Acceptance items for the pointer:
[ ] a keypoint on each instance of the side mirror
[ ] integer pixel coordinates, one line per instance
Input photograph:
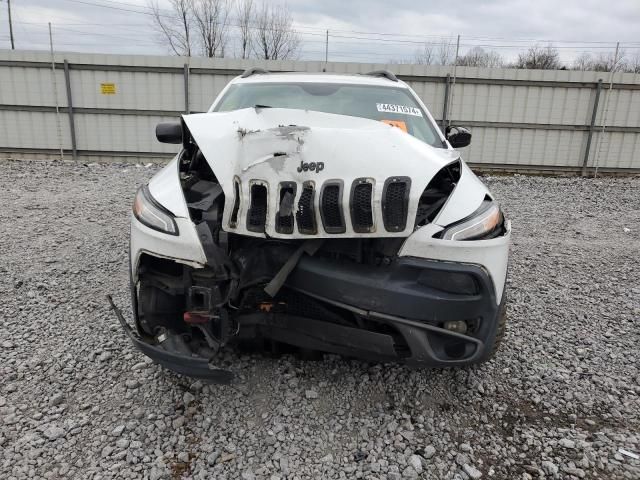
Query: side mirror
(169, 132)
(458, 137)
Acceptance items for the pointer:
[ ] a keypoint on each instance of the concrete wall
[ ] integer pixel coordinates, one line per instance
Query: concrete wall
(520, 119)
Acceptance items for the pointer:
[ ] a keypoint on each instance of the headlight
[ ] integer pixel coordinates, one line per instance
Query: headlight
(152, 214)
(484, 223)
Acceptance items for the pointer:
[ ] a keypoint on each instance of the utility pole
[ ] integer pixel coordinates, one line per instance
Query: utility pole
(55, 93)
(453, 85)
(326, 48)
(613, 68)
(10, 25)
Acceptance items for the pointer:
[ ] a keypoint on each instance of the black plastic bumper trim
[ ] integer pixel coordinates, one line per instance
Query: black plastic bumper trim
(421, 350)
(395, 289)
(304, 332)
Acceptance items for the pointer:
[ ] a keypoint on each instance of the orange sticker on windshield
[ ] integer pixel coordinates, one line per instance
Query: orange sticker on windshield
(396, 123)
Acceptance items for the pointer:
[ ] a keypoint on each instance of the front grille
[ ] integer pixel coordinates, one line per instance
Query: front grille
(395, 202)
(331, 207)
(257, 214)
(305, 216)
(284, 215)
(361, 210)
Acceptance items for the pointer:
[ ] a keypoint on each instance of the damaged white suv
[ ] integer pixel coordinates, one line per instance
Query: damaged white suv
(317, 212)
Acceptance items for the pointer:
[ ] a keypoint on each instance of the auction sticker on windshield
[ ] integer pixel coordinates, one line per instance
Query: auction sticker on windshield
(397, 123)
(390, 107)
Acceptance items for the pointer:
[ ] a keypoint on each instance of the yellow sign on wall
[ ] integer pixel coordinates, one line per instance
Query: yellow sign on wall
(108, 88)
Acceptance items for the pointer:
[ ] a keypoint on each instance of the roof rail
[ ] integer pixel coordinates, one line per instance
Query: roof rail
(383, 73)
(253, 71)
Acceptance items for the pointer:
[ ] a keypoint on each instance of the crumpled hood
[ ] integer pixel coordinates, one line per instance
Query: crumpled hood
(270, 146)
(243, 141)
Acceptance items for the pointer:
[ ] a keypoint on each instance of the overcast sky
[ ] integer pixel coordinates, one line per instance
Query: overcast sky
(507, 26)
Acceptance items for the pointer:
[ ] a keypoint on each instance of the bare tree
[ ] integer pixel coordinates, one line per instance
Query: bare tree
(539, 58)
(478, 57)
(494, 60)
(582, 62)
(446, 53)
(175, 25)
(245, 13)
(275, 37)
(607, 62)
(425, 56)
(211, 23)
(604, 62)
(435, 53)
(633, 64)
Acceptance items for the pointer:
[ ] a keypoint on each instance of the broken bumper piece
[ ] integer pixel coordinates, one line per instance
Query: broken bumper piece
(368, 345)
(196, 367)
(420, 312)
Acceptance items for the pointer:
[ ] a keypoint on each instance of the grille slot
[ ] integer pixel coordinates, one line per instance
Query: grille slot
(257, 214)
(305, 216)
(395, 202)
(233, 221)
(284, 215)
(361, 208)
(331, 207)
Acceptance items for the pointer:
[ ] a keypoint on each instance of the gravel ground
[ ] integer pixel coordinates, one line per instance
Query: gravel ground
(77, 401)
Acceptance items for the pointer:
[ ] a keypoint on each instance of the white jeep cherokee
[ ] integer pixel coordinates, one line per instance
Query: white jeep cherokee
(319, 212)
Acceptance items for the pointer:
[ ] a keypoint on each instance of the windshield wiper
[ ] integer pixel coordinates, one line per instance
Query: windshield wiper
(257, 105)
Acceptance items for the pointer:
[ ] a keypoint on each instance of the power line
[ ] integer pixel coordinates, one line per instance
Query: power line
(322, 31)
(341, 38)
(451, 38)
(149, 11)
(415, 42)
(41, 25)
(93, 4)
(444, 39)
(355, 40)
(87, 24)
(309, 30)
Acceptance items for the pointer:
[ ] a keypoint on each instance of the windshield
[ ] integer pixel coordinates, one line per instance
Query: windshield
(395, 106)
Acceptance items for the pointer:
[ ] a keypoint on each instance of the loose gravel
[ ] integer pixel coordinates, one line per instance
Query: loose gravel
(561, 399)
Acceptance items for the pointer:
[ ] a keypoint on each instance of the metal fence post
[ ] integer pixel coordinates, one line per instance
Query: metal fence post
(186, 88)
(445, 107)
(55, 93)
(72, 123)
(594, 113)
